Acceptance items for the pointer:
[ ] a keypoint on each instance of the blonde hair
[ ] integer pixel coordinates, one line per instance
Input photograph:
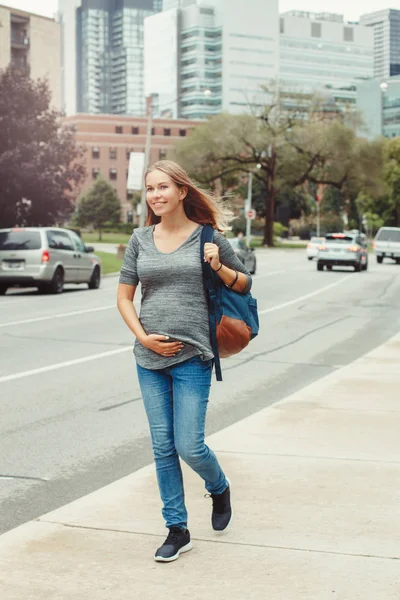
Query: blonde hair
(200, 206)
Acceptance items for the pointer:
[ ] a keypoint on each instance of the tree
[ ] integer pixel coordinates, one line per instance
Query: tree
(289, 150)
(392, 177)
(101, 205)
(40, 162)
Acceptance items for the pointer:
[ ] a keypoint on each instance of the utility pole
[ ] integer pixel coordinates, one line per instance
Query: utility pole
(318, 200)
(143, 203)
(248, 208)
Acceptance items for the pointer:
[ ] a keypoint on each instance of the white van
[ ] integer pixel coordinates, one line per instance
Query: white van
(46, 258)
(387, 244)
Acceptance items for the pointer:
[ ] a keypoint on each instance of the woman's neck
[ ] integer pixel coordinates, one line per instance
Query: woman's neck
(174, 223)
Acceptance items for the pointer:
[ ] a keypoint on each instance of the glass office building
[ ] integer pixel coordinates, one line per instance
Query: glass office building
(322, 54)
(203, 57)
(379, 103)
(107, 54)
(386, 28)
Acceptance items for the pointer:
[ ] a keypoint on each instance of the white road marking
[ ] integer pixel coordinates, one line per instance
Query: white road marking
(301, 298)
(78, 361)
(62, 365)
(267, 275)
(51, 317)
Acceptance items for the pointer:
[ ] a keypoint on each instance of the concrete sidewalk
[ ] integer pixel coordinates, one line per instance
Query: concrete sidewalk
(316, 497)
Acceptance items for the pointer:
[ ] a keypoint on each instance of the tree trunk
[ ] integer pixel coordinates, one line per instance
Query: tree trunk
(269, 214)
(100, 234)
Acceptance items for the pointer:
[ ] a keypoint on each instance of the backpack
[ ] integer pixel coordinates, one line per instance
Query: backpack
(233, 316)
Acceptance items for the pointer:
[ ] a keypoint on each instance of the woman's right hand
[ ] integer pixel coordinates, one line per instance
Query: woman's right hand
(160, 345)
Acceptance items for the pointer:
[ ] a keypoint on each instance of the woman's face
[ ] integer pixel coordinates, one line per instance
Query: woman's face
(162, 194)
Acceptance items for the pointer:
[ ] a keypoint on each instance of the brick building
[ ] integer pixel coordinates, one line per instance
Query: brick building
(110, 139)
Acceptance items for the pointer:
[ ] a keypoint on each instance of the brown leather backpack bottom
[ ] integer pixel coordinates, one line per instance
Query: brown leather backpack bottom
(232, 336)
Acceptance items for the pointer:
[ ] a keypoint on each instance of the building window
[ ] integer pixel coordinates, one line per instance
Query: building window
(162, 154)
(316, 30)
(119, 129)
(113, 174)
(348, 34)
(95, 173)
(113, 153)
(135, 130)
(153, 131)
(282, 25)
(167, 131)
(95, 153)
(129, 195)
(182, 132)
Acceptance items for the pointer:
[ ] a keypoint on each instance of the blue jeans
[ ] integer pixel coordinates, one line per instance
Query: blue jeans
(176, 400)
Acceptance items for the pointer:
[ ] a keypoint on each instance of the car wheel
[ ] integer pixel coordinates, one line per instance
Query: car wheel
(56, 285)
(329, 267)
(320, 266)
(379, 259)
(366, 266)
(357, 267)
(309, 257)
(3, 289)
(95, 279)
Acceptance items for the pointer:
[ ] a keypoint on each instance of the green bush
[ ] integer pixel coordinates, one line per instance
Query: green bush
(279, 230)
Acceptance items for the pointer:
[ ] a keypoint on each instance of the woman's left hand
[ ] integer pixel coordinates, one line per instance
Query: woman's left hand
(211, 255)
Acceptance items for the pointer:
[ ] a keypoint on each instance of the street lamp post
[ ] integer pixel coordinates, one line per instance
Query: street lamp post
(143, 203)
(149, 109)
(248, 208)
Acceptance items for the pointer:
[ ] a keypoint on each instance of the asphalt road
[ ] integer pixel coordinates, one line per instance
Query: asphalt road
(71, 417)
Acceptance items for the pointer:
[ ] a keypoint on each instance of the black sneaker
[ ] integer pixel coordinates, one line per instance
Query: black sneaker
(222, 510)
(178, 541)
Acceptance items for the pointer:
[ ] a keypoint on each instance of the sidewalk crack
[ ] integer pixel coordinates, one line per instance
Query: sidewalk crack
(223, 542)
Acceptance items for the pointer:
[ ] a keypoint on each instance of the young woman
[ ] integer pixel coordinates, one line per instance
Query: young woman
(172, 348)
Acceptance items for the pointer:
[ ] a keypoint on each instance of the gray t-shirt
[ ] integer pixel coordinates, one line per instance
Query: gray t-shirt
(173, 298)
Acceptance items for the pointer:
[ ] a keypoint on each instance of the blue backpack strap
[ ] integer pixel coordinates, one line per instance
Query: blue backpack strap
(207, 236)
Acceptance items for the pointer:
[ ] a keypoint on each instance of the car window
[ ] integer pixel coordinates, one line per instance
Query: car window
(389, 235)
(79, 245)
(20, 240)
(339, 239)
(316, 240)
(59, 240)
(237, 244)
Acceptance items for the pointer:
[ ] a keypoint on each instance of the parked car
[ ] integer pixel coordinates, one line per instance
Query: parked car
(387, 244)
(343, 250)
(244, 253)
(313, 245)
(46, 258)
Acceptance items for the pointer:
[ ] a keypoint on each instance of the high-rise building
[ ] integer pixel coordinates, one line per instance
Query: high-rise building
(102, 42)
(322, 54)
(386, 28)
(32, 43)
(207, 56)
(378, 101)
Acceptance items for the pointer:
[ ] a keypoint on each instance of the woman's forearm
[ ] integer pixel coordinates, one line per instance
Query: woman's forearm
(228, 276)
(129, 315)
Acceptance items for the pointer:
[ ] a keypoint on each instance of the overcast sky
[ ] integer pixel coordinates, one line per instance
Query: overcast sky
(350, 8)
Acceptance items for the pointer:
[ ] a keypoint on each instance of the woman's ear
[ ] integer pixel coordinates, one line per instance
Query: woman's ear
(184, 192)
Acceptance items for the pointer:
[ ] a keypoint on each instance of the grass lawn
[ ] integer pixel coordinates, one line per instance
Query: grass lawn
(107, 238)
(256, 242)
(109, 262)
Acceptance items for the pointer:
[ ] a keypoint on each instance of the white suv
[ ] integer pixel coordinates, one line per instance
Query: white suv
(46, 258)
(387, 244)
